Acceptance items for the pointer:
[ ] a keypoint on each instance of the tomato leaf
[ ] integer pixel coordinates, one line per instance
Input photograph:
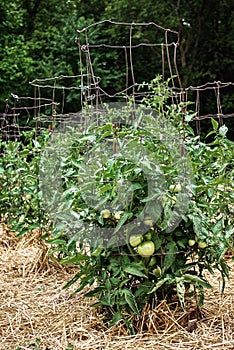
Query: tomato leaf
(124, 217)
(194, 279)
(215, 124)
(93, 292)
(116, 318)
(170, 255)
(130, 299)
(134, 271)
(73, 280)
(74, 259)
(158, 285)
(180, 288)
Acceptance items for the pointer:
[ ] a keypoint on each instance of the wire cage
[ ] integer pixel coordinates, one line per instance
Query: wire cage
(208, 100)
(127, 54)
(125, 48)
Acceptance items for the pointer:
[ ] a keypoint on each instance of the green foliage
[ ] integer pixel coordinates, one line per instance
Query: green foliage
(37, 42)
(20, 199)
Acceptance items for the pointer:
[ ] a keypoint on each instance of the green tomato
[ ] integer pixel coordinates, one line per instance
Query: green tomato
(146, 249)
(175, 188)
(202, 244)
(153, 261)
(191, 242)
(105, 213)
(135, 240)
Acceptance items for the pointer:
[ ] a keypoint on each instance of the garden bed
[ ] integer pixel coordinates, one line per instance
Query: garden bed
(36, 313)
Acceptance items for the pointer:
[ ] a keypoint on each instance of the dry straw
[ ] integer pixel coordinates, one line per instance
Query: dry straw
(36, 313)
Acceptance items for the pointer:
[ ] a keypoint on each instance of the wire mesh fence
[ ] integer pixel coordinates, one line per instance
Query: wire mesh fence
(56, 98)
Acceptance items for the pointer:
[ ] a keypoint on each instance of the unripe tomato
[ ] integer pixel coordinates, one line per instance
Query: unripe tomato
(175, 188)
(105, 213)
(191, 242)
(202, 244)
(146, 249)
(153, 261)
(135, 240)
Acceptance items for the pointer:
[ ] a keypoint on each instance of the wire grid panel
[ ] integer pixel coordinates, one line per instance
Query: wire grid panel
(57, 98)
(208, 101)
(136, 36)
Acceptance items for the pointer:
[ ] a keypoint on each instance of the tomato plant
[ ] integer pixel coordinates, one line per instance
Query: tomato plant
(20, 199)
(159, 260)
(121, 202)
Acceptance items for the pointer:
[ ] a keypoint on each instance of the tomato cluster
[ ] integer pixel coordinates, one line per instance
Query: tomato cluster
(143, 244)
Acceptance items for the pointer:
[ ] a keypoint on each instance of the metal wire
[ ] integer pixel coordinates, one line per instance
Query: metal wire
(49, 103)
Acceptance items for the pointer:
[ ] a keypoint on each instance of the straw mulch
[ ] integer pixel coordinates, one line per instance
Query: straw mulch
(35, 313)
